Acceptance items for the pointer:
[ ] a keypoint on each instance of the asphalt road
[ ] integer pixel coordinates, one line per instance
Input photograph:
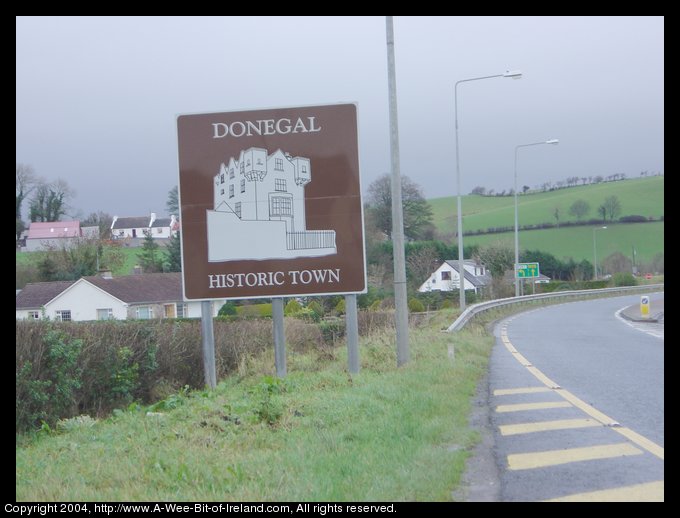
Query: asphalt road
(594, 371)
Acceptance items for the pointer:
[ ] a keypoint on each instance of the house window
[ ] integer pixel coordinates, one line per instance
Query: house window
(182, 311)
(243, 186)
(281, 206)
(121, 233)
(231, 173)
(159, 230)
(304, 169)
(144, 312)
(222, 191)
(278, 164)
(231, 191)
(248, 163)
(243, 167)
(280, 184)
(222, 178)
(237, 208)
(145, 231)
(446, 276)
(34, 315)
(104, 314)
(63, 315)
(259, 161)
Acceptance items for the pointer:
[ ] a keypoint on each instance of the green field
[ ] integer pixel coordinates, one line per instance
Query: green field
(642, 196)
(577, 242)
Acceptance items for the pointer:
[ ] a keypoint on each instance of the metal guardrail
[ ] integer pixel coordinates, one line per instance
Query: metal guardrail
(476, 309)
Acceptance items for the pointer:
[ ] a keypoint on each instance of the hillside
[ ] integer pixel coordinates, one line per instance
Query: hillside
(643, 196)
(577, 242)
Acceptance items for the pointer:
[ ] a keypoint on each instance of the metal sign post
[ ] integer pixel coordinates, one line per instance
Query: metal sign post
(208, 341)
(279, 337)
(352, 333)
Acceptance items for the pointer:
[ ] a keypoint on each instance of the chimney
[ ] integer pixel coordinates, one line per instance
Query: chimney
(153, 218)
(115, 218)
(105, 274)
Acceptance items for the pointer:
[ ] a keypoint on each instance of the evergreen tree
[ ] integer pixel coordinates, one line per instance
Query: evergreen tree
(173, 255)
(151, 257)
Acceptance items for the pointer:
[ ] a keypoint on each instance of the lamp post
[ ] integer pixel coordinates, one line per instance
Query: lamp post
(515, 74)
(595, 252)
(554, 142)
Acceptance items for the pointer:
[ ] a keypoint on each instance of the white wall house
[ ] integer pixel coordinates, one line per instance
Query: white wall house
(139, 226)
(447, 277)
(143, 296)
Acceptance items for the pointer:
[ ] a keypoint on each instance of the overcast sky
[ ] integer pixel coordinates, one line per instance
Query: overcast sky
(97, 98)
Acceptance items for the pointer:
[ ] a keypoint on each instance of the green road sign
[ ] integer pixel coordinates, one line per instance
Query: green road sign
(525, 270)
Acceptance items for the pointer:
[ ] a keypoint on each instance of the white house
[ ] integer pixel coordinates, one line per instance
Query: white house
(259, 202)
(447, 277)
(142, 296)
(140, 226)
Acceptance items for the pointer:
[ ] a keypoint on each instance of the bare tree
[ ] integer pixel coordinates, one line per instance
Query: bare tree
(612, 207)
(579, 209)
(584, 180)
(602, 211)
(27, 181)
(478, 190)
(99, 219)
(50, 201)
(420, 264)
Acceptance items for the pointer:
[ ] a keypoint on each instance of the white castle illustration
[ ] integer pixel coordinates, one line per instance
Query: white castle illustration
(259, 210)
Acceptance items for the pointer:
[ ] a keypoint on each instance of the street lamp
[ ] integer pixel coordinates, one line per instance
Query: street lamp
(515, 74)
(595, 252)
(554, 142)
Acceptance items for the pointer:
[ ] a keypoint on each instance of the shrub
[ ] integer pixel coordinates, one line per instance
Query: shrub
(415, 306)
(375, 306)
(265, 309)
(623, 279)
(229, 308)
(316, 308)
(635, 218)
(292, 307)
(332, 329)
(47, 391)
(340, 307)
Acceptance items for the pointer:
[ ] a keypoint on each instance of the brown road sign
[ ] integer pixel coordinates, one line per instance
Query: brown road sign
(270, 203)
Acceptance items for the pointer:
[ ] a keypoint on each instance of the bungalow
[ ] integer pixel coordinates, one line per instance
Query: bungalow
(53, 234)
(142, 296)
(138, 227)
(447, 277)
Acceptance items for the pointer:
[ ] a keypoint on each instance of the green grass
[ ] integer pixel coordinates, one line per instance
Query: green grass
(130, 255)
(131, 259)
(386, 434)
(577, 242)
(643, 196)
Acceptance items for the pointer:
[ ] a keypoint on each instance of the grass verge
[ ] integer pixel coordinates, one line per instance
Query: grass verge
(386, 434)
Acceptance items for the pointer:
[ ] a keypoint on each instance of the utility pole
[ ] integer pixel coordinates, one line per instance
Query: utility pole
(400, 302)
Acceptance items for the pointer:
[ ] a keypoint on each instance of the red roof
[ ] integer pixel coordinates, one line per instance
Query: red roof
(54, 229)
